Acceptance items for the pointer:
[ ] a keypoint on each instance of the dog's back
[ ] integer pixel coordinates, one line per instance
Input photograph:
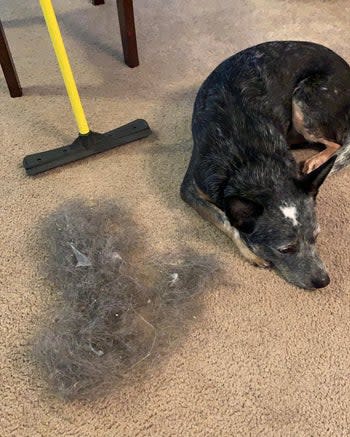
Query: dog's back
(245, 104)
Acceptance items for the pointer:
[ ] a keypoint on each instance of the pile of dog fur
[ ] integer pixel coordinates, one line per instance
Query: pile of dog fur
(114, 310)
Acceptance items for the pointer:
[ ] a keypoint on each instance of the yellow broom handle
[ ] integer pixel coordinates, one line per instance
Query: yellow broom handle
(63, 61)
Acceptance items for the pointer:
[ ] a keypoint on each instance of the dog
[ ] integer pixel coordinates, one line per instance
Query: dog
(242, 175)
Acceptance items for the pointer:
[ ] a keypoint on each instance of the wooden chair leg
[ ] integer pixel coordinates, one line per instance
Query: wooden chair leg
(8, 67)
(97, 2)
(127, 32)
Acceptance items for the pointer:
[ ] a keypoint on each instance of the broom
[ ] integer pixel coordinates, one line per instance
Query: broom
(88, 142)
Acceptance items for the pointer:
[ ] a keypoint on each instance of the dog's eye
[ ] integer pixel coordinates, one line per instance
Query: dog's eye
(289, 249)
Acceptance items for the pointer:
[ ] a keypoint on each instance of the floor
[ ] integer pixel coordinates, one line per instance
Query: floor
(264, 358)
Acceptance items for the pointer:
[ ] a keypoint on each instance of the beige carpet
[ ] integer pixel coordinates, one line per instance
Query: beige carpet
(264, 358)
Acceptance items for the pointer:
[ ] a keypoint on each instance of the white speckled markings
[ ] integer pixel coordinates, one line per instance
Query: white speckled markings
(290, 212)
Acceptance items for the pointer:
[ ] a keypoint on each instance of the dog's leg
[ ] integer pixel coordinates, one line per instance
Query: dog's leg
(317, 160)
(192, 195)
(314, 104)
(313, 136)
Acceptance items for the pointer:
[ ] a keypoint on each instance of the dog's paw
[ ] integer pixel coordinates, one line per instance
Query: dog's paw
(314, 162)
(310, 165)
(261, 263)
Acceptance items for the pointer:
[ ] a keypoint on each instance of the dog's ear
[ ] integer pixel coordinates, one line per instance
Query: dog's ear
(311, 182)
(242, 213)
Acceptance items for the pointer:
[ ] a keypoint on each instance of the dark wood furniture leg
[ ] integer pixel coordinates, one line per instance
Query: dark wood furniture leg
(127, 32)
(8, 67)
(97, 2)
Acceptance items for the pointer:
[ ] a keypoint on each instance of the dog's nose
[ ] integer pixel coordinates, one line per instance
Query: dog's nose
(321, 281)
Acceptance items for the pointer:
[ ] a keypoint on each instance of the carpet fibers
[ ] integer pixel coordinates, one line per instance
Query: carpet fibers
(263, 358)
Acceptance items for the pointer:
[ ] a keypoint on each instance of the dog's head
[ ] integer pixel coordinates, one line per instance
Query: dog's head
(282, 229)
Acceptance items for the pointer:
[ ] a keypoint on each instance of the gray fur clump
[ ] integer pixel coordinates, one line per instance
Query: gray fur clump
(115, 310)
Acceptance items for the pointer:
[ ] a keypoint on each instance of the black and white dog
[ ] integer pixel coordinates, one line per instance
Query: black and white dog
(242, 175)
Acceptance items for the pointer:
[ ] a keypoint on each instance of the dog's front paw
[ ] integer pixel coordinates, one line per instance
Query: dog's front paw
(261, 263)
(248, 254)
